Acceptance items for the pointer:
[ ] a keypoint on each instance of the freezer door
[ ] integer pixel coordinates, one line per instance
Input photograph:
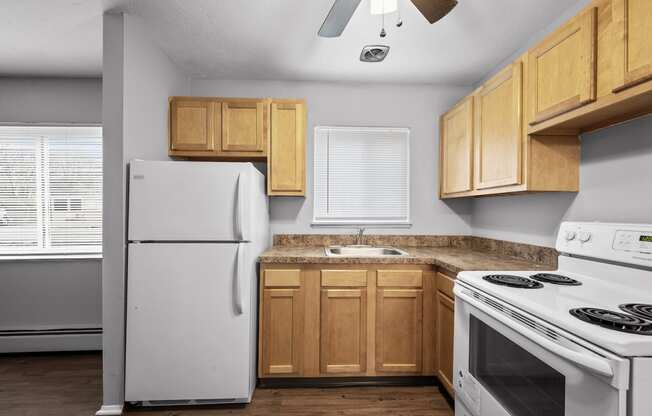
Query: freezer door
(189, 313)
(190, 201)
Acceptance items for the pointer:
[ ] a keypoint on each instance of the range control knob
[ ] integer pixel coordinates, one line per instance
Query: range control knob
(585, 236)
(570, 235)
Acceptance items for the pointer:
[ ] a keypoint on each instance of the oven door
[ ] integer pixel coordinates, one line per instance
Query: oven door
(510, 363)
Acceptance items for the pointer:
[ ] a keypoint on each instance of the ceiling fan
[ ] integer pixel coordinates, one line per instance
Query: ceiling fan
(340, 14)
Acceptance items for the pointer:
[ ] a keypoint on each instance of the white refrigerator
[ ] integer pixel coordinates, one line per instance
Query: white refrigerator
(195, 230)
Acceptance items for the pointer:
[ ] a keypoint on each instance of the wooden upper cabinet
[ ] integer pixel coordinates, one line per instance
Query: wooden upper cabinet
(191, 124)
(286, 155)
(271, 130)
(498, 130)
(243, 125)
(456, 149)
(343, 323)
(562, 69)
(632, 53)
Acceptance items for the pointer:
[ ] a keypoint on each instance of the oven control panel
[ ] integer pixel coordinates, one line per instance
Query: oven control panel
(630, 240)
(622, 243)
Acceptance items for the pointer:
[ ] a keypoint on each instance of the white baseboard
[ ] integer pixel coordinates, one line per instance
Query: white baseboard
(110, 410)
(45, 343)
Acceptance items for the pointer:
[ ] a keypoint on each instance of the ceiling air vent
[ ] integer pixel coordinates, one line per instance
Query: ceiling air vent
(374, 53)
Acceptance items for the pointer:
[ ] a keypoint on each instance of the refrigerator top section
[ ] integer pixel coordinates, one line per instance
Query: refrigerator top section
(194, 201)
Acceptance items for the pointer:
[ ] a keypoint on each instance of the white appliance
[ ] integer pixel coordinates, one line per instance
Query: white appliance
(195, 231)
(573, 342)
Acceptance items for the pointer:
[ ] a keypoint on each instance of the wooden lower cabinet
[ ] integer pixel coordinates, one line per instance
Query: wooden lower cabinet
(343, 322)
(349, 320)
(281, 328)
(399, 321)
(398, 330)
(445, 331)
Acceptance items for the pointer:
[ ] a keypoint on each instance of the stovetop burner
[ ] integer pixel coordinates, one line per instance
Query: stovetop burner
(512, 281)
(641, 310)
(555, 279)
(613, 320)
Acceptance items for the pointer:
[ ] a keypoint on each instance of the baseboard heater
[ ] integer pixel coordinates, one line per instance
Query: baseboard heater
(50, 339)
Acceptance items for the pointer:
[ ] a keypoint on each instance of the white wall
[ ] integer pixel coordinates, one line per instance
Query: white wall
(414, 106)
(138, 78)
(53, 293)
(614, 181)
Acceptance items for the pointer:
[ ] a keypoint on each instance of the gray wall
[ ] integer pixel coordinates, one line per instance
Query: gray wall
(55, 100)
(52, 293)
(413, 106)
(138, 78)
(614, 180)
(614, 187)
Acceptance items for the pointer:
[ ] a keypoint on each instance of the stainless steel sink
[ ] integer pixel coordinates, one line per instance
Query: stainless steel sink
(363, 251)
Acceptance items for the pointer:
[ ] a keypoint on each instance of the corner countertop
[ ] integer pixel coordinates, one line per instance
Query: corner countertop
(453, 259)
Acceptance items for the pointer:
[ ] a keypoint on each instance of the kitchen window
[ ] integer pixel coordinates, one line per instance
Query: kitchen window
(362, 176)
(50, 190)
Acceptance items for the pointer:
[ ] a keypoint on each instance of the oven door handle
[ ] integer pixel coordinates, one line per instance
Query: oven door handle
(592, 363)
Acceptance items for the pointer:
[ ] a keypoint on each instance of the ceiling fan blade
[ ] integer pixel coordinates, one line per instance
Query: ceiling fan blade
(434, 10)
(338, 17)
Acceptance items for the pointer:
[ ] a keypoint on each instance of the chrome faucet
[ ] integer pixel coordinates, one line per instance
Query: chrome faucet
(360, 237)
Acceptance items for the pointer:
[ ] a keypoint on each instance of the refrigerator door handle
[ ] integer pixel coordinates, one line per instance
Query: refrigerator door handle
(239, 269)
(241, 203)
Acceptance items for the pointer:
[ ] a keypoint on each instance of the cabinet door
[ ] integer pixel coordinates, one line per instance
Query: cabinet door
(243, 126)
(343, 331)
(399, 314)
(282, 323)
(456, 149)
(445, 325)
(632, 46)
(286, 157)
(562, 69)
(498, 132)
(192, 125)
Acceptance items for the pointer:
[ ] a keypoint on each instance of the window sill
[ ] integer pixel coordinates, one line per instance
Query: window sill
(370, 225)
(50, 257)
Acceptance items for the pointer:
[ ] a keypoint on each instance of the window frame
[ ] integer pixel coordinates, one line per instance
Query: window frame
(368, 223)
(54, 256)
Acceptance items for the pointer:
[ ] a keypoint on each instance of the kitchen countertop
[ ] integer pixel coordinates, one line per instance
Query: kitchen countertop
(453, 259)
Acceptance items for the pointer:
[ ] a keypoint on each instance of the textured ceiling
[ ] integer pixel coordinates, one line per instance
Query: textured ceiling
(275, 39)
(51, 38)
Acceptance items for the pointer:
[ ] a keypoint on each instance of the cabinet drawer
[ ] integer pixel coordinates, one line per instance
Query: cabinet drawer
(445, 285)
(343, 278)
(283, 278)
(400, 278)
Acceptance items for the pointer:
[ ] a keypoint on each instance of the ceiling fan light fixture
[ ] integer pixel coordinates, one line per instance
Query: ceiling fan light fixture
(383, 6)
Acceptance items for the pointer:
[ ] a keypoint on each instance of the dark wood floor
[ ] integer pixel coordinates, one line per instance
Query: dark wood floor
(70, 385)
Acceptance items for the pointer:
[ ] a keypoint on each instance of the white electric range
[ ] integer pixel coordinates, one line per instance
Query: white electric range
(576, 341)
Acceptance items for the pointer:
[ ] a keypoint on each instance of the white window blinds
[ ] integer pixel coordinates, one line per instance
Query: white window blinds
(50, 190)
(361, 176)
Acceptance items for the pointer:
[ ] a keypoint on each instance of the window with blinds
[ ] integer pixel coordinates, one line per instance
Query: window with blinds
(362, 176)
(50, 190)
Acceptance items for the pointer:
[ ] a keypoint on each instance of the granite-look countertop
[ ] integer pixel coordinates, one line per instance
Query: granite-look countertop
(454, 259)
